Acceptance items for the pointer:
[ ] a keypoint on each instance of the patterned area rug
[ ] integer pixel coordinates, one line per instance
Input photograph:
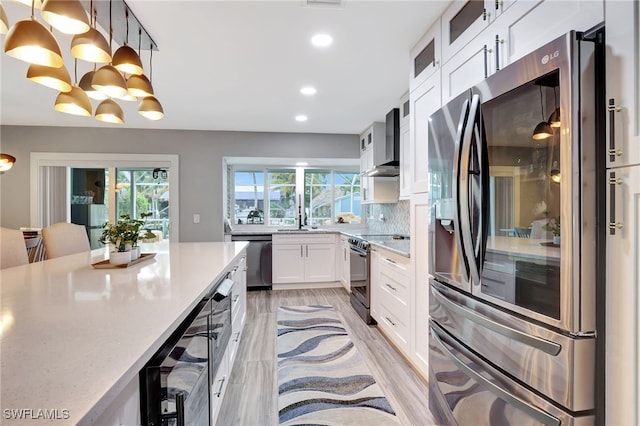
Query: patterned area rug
(322, 379)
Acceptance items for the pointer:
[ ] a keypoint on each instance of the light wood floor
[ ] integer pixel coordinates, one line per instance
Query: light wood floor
(252, 395)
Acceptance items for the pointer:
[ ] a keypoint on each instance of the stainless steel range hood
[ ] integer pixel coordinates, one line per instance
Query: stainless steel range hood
(387, 162)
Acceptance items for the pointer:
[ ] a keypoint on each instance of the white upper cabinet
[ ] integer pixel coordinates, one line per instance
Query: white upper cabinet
(623, 119)
(462, 22)
(528, 25)
(423, 101)
(426, 56)
(372, 149)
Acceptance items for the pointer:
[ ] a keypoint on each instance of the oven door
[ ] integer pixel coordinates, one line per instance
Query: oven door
(464, 389)
(359, 274)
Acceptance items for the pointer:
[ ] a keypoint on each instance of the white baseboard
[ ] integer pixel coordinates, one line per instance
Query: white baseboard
(304, 286)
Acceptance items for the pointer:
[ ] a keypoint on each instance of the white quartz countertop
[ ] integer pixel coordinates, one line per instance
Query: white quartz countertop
(74, 336)
(527, 247)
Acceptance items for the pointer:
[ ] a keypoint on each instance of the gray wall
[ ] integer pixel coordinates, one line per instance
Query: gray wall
(200, 154)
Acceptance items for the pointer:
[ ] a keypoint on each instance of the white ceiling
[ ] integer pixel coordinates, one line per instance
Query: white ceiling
(239, 65)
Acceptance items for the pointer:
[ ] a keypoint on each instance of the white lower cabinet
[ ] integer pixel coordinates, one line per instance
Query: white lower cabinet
(344, 262)
(219, 386)
(393, 293)
(623, 299)
(419, 226)
(304, 258)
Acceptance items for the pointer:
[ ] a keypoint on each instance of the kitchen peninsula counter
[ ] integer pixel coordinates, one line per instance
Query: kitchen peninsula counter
(73, 337)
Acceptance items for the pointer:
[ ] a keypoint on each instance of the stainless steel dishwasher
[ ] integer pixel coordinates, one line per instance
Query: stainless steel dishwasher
(258, 260)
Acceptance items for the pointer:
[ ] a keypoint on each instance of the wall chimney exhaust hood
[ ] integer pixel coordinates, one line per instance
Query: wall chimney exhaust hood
(386, 158)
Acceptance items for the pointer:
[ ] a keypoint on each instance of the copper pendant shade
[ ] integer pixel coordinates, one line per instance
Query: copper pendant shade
(127, 60)
(30, 41)
(85, 84)
(151, 108)
(6, 162)
(109, 112)
(109, 81)
(91, 47)
(4, 21)
(554, 118)
(66, 16)
(139, 85)
(75, 102)
(55, 78)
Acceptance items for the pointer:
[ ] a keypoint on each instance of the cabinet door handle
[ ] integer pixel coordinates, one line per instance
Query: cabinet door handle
(613, 108)
(486, 71)
(485, 14)
(390, 260)
(219, 392)
(237, 337)
(390, 321)
(391, 287)
(236, 297)
(301, 255)
(613, 225)
(307, 250)
(498, 4)
(498, 43)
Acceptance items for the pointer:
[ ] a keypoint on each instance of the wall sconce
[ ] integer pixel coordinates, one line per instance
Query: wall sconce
(159, 172)
(6, 162)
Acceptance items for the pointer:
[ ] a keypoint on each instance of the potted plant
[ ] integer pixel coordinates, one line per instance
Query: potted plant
(553, 225)
(116, 234)
(133, 232)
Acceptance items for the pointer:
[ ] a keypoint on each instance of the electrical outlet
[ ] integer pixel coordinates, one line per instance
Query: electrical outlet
(196, 218)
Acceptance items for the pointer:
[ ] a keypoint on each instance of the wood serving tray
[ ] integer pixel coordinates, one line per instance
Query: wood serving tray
(104, 264)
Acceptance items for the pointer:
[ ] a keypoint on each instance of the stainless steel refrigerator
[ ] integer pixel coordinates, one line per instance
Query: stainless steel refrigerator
(93, 217)
(512, 304)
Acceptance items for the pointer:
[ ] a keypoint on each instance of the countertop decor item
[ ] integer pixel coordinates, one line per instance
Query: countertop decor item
(109, 264)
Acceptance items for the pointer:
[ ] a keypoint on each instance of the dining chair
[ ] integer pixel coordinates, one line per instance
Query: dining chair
(62, 239)
(35, 248)
(522, 232)
(13, 251)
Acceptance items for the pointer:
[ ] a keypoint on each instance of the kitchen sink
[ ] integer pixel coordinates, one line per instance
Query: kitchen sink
(292, 230)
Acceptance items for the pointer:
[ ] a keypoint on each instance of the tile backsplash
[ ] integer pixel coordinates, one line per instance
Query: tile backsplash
(396, 218)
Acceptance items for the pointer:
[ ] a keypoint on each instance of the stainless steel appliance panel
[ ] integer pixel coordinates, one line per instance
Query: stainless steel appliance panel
(359, 266)
(466, 390)
(560, 367)
(259, 252)
(554, 78)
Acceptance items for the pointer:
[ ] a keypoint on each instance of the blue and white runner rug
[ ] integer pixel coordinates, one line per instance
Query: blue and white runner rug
(322, 379)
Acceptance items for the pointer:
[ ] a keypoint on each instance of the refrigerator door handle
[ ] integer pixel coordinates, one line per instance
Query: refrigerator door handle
(457, 211)
(543, 345)
(471, 131)
(536, 413)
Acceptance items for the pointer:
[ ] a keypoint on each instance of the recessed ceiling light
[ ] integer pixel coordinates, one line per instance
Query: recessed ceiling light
(321, 40)
(308, 90)
(302, 163)
(301, 118)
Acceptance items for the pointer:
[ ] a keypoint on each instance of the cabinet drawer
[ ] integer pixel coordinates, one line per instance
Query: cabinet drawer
(396, 327)
(498, 262)
(394, 284)
(304, 239)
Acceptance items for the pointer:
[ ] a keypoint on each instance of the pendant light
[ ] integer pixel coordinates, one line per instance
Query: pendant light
(66, 16)
(108, 79)
(150, 107)
(30, 41)
(85, 84)
(126, 59)
(109, 112)
(139, 85)
(554, 118)
(6, 162)
(555, 173)
(55, 78)
(543, 130)
(91, 46)
(75, 102)
(4, 21)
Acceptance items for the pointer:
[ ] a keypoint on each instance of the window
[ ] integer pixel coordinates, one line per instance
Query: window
(138, 191)
(282, 197)
(325, 197)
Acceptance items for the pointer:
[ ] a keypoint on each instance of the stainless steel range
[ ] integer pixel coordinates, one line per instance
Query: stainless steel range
(360, 265)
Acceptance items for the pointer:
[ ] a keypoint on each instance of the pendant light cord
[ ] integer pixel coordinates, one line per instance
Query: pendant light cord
(541, 106)
(111, 26)
(126, 17)
(151, 64)
(33, 12)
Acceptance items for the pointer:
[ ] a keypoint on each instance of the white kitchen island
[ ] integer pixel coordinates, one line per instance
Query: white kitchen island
(73, 338)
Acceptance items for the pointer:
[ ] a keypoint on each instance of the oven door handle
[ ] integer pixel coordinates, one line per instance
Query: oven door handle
(361, 253)
(543, 345)
(533, 411)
